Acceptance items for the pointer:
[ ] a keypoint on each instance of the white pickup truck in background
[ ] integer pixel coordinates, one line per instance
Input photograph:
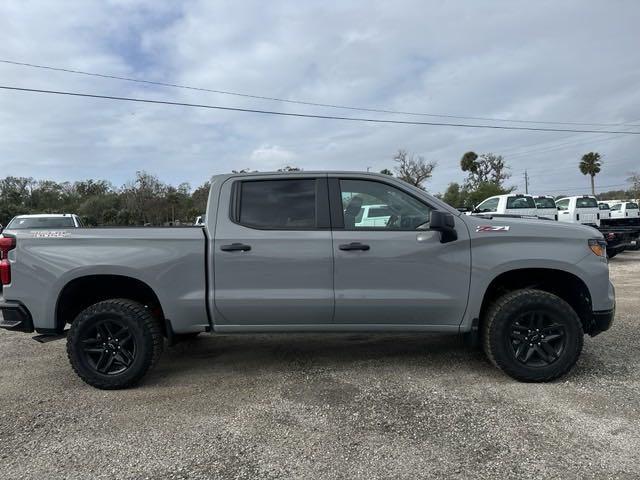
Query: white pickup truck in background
(373, 216)
(605, 211)
(579, 209)
(508, 204)
(624, 210)
(44, 220)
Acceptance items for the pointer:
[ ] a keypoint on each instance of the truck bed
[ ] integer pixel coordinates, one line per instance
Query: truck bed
(171, 261)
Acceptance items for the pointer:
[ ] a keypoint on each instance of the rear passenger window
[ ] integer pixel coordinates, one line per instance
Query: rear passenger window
(545, 202)
(520, 202)
(278, 204)
(586, 202)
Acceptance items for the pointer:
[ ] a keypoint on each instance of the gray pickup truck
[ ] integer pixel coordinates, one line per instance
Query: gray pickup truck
(288, 252)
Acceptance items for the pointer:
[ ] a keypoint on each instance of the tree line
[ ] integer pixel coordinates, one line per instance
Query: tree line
(146, 200)
(487, 174)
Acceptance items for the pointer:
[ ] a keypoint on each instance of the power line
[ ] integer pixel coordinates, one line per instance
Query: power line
(615, 162)
(304, 115)
(301, 102)
(571, 139)
(550, 146)
(561, 146)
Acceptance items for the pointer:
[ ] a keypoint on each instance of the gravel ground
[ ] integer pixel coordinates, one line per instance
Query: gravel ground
(309, 406)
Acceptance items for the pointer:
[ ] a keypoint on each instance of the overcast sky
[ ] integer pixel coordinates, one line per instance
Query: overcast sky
(544, 61)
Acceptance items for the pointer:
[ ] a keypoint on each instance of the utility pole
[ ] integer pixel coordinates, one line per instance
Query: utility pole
(526, 182)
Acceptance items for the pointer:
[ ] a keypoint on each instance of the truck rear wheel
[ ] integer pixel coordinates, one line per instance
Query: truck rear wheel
(532, 335)
(112, 344)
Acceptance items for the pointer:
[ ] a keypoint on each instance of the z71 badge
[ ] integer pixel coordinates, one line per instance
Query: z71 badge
(492, 228)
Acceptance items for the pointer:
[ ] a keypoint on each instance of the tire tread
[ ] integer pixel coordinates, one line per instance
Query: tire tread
(489, 340)
(132, 309)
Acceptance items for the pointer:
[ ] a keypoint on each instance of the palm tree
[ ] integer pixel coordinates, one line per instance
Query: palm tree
(590, 165)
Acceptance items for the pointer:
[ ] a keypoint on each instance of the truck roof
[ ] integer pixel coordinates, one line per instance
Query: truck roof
(505, 195)
(304, 173)
(578, 196)
(44, 215)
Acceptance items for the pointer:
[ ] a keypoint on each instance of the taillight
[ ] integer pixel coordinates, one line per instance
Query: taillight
(556, 217)
(5, 272)
(6, 244)
(578, 216)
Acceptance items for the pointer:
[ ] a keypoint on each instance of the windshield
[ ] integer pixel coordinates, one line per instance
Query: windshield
(520, 202)
(586, 202)
(40, 222)
(544, 202)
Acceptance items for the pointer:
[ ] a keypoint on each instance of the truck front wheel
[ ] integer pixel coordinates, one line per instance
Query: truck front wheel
(113, 343)
(532, 335)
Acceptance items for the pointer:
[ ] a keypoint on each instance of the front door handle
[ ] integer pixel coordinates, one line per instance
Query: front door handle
(234, 247)
(354, 246)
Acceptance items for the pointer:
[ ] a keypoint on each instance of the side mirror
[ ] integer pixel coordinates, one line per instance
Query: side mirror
(444, 223)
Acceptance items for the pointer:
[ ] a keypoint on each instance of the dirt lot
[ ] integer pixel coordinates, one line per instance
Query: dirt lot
(328, 407)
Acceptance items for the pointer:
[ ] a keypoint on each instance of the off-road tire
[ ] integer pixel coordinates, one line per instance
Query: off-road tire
(145, 330)
(497, 327)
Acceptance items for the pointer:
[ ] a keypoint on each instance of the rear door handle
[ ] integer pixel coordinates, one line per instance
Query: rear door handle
(354, 246)
(234, 247)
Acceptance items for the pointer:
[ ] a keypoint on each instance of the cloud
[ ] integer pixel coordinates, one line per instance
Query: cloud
(272, 156)
(570, 61)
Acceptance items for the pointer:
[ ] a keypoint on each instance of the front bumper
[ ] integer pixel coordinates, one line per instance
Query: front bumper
(602, 320)
(15, 317)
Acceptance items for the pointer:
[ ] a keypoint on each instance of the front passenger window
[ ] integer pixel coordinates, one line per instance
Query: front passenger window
(387, 207)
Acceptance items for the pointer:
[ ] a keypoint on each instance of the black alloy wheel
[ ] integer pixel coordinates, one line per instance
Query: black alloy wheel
(537, 338)
(532, 335)
(113, 343)
(109, 347)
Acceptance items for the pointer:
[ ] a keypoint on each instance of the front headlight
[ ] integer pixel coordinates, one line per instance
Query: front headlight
(598, 246)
